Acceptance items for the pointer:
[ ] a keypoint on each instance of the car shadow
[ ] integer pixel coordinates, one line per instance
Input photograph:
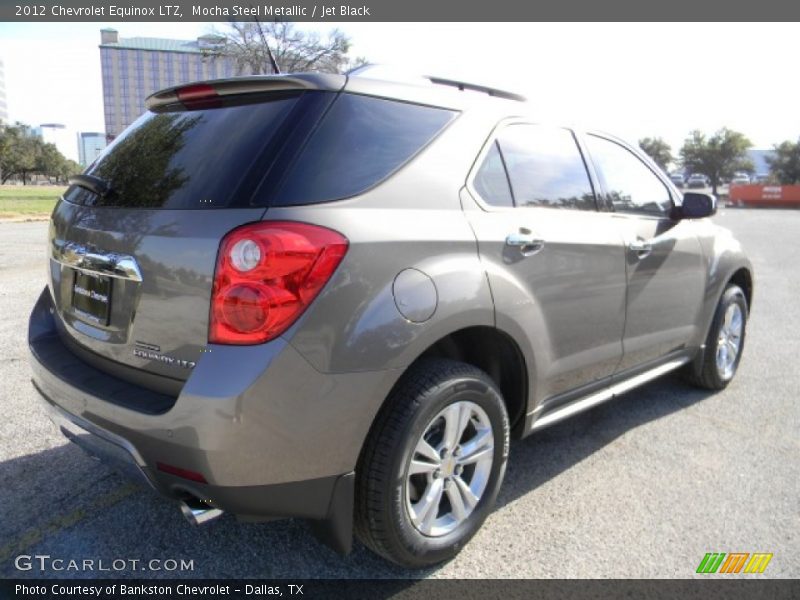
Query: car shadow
(61, 503)
(536, 459)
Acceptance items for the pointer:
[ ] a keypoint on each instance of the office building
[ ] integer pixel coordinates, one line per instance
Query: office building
(134, 68)
(3, 105)
(90, 145)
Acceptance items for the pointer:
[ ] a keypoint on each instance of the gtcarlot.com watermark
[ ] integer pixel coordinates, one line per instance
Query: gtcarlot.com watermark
(46, 563)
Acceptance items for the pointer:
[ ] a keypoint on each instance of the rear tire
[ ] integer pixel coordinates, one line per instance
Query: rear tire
(716, 365)
(432, 465)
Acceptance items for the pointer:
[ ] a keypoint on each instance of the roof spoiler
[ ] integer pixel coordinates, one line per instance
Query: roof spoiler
(250, 85)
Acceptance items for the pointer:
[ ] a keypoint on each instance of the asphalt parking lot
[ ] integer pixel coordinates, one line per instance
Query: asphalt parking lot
(640, 487)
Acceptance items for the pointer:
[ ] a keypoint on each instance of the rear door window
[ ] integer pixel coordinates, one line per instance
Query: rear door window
(545, 167)
(361, 141)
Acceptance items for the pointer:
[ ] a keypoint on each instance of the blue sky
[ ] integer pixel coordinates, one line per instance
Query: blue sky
(630, 79)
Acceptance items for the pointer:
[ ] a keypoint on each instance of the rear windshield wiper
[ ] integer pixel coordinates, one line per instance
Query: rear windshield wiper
(94, 184)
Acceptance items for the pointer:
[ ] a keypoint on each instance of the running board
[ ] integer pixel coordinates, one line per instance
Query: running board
(587, 402)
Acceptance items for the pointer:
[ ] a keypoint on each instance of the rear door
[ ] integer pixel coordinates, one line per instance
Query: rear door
(663, 257)
(133, 244)
(555, 263)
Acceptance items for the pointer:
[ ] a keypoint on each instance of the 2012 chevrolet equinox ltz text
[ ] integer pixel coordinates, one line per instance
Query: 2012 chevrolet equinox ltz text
(337, 297)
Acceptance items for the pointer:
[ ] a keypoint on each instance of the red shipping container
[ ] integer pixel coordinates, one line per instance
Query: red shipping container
(765, 195)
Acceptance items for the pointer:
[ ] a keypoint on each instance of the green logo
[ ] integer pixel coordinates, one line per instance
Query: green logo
(736, 562)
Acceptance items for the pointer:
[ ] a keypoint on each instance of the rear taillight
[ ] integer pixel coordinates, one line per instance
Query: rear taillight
(266, 276)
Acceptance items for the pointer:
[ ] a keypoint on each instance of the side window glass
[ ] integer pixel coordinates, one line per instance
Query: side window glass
(546, 168)
(360, 142)
(491, 181)
(629, 183)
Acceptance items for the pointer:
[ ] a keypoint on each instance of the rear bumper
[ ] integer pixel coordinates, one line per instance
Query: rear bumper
(329, 500)
(98, 443)
(271, 436)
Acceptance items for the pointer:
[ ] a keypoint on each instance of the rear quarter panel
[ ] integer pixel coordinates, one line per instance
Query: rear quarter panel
(412, 221)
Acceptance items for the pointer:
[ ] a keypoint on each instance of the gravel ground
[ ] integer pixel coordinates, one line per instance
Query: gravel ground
(641, 487)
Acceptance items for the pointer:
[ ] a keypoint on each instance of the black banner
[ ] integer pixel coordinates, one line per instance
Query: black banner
(114, 11)
(376, 589)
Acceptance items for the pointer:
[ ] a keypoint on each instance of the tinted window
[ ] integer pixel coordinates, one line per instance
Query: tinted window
(188, 159)
(491, 180)
(629, 183)
(545, 167)
(361, 141)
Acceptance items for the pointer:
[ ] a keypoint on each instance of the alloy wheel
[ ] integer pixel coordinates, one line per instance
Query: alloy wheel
(449, 468)
(729, 341)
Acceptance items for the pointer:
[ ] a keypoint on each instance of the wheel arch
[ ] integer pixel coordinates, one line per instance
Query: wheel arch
(743, 277)
(494, 352)
(490, 349)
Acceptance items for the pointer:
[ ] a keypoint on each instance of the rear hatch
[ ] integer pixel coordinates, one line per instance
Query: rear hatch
(134, 241)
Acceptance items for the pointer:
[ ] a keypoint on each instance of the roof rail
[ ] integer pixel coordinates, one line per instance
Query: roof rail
(473, 87)
(399, 75)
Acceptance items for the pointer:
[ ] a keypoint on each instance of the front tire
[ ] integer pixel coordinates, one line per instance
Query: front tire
(717, 363)
(432, 465)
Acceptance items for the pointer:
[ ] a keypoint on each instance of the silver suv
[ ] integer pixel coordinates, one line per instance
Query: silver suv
(337, 298)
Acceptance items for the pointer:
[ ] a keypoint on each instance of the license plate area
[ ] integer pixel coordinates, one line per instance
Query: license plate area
(91, 298)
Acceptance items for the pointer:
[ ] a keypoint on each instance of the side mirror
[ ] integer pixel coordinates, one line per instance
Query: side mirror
(695, 206)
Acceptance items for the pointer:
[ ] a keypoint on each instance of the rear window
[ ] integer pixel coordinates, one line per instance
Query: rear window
(361, 141)
(220, 157)
(187, 160)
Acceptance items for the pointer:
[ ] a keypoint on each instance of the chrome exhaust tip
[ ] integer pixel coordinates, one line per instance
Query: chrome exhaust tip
(198, 513)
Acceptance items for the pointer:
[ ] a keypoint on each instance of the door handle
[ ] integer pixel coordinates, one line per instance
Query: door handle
(525, 241)
(641, 248)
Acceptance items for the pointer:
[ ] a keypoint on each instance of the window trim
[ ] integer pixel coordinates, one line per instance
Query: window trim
(493, 139)
(646, 162)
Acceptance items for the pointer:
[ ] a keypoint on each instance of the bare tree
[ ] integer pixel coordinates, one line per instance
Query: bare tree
(249, 45)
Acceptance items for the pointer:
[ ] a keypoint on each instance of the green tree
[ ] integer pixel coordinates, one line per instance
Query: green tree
(784, 163)
(5, 147)
(66, 168)
(23, 153)
(249, 44)
(718, 156)
(657, 149)
(48, 161)
(9, 147)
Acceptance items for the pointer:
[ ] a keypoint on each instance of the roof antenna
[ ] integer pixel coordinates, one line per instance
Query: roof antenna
(275, 68)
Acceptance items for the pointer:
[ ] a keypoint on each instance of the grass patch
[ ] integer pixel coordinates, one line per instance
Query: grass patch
(28, 201)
